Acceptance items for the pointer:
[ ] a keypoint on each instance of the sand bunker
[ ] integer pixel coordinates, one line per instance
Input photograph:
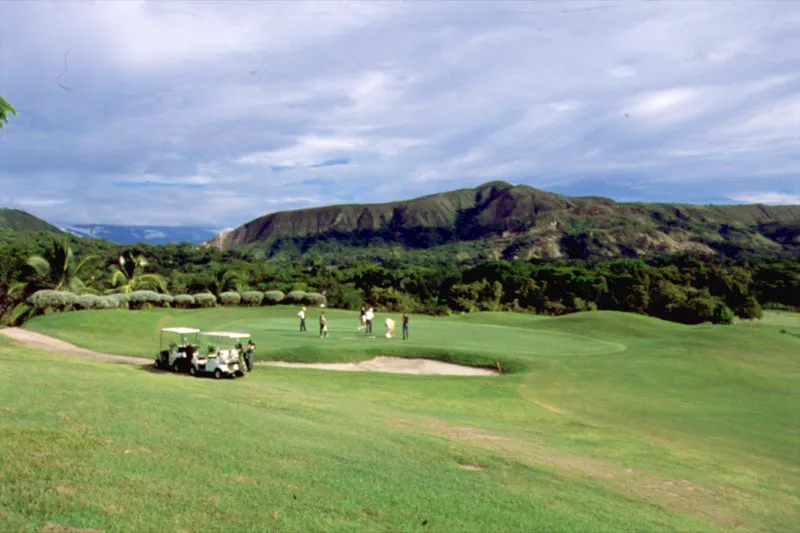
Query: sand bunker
(395, 365)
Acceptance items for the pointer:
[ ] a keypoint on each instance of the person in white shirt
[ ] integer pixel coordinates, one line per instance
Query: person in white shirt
(389, 323)
(302, 315)
(369, 316)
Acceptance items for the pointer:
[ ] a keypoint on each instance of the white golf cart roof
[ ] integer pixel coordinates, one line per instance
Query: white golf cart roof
(227, 334)
(181, 330)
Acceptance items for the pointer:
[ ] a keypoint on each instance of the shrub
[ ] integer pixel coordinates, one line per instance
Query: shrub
(205, 299)
(345, 296)
(273, 297)
(314, 298)
(440, 310)
(121, 299)
(253, 298)
(722, 314)
(165, 300)
(230, 298)
(107, 302)
(87, 301)
(183, 300)
(50, 300)
(296, 297)
(143, 299)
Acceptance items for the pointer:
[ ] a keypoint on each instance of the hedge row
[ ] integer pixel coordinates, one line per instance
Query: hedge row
(64, 301)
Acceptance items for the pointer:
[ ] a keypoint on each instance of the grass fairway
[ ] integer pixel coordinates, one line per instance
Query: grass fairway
(609, 422)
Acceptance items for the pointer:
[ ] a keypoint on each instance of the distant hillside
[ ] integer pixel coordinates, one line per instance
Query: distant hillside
(123, 234)
(524, 222)
(17, 220)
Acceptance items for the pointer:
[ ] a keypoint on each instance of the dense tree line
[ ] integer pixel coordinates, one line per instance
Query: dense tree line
(687, 289)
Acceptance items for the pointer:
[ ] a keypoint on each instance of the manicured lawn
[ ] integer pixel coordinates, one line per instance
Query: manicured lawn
(610, 422)
(501, 337)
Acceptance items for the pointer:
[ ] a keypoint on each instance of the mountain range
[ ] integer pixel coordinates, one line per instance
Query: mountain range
(125, 234)
(497, 220)
(519, 221)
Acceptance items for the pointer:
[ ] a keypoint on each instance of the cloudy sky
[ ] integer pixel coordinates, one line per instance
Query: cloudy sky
(214, 113)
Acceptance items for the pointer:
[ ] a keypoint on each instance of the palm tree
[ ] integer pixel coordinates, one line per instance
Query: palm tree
(58, 268)
(6, 109)
(218, 280)
(129, 276)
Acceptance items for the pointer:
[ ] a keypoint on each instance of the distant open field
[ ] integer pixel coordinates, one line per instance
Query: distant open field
(608, 422)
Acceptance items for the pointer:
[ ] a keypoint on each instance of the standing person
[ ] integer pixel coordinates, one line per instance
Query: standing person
(405, 325)
(369, 316)
(302, 315)
(250, 357)
(389, 323)
(362, 324)
(323, 326)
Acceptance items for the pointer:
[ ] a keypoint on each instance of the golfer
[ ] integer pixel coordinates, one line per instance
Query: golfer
(389, 323)
(405, 325)
(363, 320)
(302, 315)
(370, 314)
(323, 326)
(250, 356)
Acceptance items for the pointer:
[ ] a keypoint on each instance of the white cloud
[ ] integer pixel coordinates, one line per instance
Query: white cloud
(622, 71)
(165, 180)
(567, 105)
(308, 151)
(417, 97)
(40, 202)
(769, 198)
(661, 102)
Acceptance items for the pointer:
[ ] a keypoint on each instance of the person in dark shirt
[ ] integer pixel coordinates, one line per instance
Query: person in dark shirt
(405, 325)
(250, 355)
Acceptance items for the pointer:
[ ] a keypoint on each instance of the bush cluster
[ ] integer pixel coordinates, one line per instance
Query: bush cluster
(205, 299)
(252, 298)
(183, 301)
(230, 298)
(273, 297)
(50, 301)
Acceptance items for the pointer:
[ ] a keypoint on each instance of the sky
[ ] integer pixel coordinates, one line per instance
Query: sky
(214, 113)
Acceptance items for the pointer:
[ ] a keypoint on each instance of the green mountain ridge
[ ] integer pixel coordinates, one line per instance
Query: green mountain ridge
(518, 221)
(16, 220)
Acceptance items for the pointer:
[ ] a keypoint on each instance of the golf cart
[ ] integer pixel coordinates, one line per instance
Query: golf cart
(178, 354)
(224, 355)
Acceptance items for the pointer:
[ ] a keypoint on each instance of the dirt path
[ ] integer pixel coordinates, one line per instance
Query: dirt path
(50, 344)
(394, 365)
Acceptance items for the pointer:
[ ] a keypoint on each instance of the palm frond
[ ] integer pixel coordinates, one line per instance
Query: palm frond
(86, 260)
(21, 313)
(17, 288)
(153, 280)
(40, 265)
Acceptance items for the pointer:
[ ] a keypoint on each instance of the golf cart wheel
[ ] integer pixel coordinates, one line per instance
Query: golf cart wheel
(176, 367)
(217, 374)
(192, 371)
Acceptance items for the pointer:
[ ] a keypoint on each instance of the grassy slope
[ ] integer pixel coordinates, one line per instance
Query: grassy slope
(686, 429)
(17, 220)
